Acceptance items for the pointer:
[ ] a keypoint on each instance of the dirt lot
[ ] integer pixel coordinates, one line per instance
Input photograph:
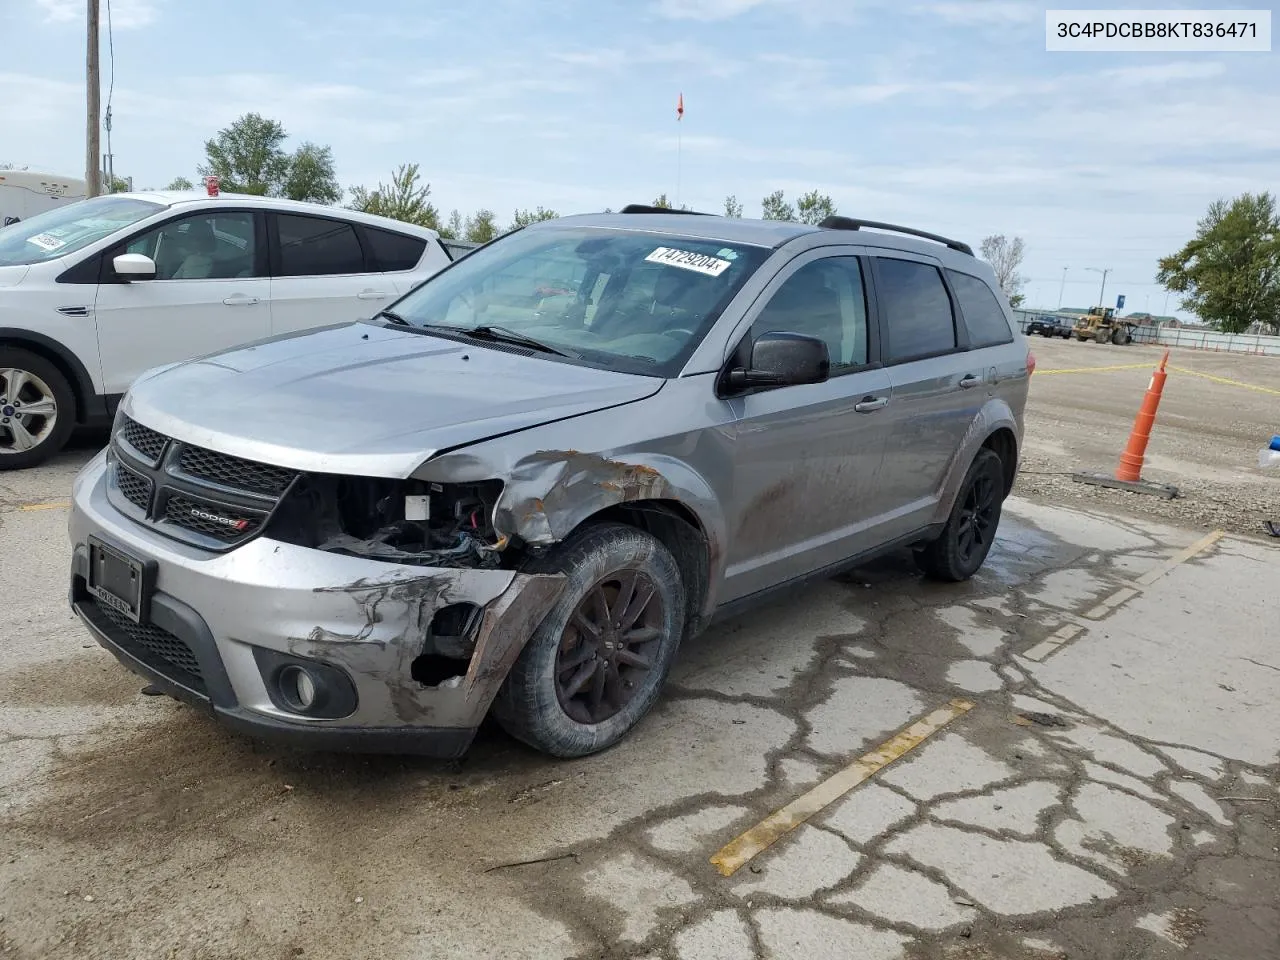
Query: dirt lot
(1205, 442)
(1096, 775)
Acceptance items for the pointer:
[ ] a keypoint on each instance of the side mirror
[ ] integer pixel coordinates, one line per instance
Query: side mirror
(134, 266)
(782, 359)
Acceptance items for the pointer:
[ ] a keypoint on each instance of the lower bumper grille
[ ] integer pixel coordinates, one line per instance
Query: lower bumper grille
(158, 649)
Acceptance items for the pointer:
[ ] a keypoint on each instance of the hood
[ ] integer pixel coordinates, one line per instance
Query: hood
(364, 399)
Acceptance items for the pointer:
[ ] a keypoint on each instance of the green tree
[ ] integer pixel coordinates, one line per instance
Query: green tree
(525, 217)
(814, 207)
(180, 183)
(311, 175)
(116, 185)
(774, 207)
(662, 202)
(732, 208)
(248, 157)
(1005, 257)
(1229, 274)
(402, 199)
(454, 228)
(482, 226)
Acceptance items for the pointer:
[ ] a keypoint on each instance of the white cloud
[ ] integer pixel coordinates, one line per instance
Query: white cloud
(125, 14)
(706, 10)
(985, 11)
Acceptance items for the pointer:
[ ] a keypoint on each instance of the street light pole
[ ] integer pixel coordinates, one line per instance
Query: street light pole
(93, 108)
(1063, 286)
(1103, 292)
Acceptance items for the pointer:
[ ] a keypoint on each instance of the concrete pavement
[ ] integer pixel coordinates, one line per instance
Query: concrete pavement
(1113, 795)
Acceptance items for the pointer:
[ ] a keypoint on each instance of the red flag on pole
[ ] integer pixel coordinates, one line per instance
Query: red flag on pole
(680, 108)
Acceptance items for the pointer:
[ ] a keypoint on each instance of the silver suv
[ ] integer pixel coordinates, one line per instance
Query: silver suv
(522, 486)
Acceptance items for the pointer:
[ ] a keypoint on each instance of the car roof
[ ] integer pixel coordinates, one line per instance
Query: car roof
(763, 233)
(198, 198)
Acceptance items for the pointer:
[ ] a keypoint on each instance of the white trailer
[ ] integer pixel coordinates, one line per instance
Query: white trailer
(24, 193)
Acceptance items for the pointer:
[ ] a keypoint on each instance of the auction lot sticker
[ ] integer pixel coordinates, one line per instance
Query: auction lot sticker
(688, 260)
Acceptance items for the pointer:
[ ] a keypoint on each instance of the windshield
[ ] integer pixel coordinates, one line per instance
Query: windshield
(66, 229)
(624, 300)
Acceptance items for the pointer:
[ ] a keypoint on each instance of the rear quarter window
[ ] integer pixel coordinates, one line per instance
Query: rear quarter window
(983, 317)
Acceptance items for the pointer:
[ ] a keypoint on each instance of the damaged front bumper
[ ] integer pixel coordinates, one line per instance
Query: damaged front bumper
(230, 632)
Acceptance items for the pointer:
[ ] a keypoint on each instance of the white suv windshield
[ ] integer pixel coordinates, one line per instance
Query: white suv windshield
(631, 301)
(63, 230)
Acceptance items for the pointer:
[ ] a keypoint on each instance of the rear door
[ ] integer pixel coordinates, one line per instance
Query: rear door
(321, 273)
(807, 490)
(211, 292)
(938, 383)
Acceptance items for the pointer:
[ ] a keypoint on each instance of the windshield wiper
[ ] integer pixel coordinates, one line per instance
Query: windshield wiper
(392, 316)
(505, 335)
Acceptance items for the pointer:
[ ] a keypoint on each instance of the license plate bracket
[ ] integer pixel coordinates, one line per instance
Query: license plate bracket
(120, 581)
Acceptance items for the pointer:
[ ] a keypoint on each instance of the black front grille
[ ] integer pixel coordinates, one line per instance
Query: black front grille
(145, 440)
(229, 471)
(191, 493)
(210, 520)
(135, 487)
(158, 649)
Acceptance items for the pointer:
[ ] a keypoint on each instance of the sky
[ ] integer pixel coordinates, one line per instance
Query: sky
(945, 116)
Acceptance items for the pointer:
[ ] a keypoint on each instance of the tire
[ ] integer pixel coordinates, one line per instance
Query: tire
(538, 703)
(953, 557)
(40, 384)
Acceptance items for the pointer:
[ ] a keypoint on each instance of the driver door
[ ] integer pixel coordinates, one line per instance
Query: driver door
(210, 293)
(807, 459)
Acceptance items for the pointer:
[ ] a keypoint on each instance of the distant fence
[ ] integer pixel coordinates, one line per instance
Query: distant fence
(1187, 339)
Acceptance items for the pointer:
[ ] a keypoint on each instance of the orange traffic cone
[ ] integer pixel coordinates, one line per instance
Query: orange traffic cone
(1131, 460)
(1128, 475)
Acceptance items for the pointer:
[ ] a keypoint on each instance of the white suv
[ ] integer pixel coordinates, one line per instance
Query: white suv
(94, 293)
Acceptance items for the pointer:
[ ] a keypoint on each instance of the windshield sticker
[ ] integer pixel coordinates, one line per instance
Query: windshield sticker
(727, 254)
(46, 241)
(688, 260)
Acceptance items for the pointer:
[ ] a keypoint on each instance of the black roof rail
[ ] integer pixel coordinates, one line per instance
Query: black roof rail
(848, 223)
(646, 208)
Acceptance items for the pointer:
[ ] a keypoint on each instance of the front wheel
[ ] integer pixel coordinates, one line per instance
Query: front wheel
(37, 409)
(966, 540)
(597, 662)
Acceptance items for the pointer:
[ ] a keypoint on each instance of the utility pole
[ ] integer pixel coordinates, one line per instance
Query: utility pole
(1102, 293)
(93, 152)
(1063, 286)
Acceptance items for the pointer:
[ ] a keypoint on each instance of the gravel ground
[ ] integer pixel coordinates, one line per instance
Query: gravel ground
(1205, 441)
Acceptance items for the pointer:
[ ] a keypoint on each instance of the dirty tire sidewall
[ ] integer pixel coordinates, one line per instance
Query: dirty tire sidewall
(527, 706)
(941, 559)
(19, 359)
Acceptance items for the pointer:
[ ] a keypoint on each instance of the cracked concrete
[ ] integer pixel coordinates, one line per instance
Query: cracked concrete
(1088, 806)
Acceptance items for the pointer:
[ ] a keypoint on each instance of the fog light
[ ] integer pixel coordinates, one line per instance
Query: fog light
(298, 687)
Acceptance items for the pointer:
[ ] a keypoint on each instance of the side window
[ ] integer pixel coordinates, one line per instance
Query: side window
(983, 317)
(916, 307)
(214, 245)
(394, 251)
(823, 299)
(313, 247)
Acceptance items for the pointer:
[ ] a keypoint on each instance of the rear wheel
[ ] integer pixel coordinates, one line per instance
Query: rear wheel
(597, 662)
(966, 539)
(37, 409)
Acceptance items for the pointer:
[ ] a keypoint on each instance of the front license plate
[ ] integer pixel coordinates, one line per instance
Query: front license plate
(117, 580)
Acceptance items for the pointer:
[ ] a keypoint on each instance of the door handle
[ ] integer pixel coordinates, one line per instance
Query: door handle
(372, 295)
(970, 381)
(871, 404)
(239, 300)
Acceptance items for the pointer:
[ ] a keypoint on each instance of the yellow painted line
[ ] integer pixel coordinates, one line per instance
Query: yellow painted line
(1049, 646)
(56, 505)
(1117, 366)
(1227, 381)
(1204, 543)
(1113, 601)
(763, 835)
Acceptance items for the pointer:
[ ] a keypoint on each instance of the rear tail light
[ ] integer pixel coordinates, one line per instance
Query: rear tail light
(1031, 363)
